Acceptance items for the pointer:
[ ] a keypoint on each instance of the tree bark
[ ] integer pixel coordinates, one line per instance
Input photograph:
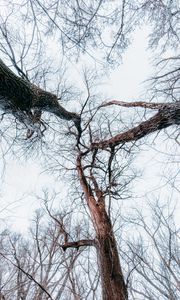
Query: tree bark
(18, 95)
(112, 279)
(168, 115)
(113, 284)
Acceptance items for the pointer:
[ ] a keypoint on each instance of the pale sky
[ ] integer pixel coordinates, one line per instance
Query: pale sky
(26, 178)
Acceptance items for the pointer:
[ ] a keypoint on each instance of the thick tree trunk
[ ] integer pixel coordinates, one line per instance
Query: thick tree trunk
(113, 285)
(112, 280)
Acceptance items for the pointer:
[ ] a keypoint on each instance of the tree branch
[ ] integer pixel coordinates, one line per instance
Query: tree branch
(77, 244)
(166, 117)
(28, 275)
(19, 95)
(151, 105)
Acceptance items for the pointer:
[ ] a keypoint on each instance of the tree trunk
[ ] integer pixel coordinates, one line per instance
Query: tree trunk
(112, 280)
(113, 285)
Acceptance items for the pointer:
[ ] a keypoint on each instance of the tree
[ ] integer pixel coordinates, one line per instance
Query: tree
(96, 152)
(154, 254)
(36, 267)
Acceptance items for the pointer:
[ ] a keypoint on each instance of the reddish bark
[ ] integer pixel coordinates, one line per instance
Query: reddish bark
(167, 116)
(112, 280)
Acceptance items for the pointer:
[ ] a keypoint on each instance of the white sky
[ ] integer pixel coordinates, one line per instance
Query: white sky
(23, 179)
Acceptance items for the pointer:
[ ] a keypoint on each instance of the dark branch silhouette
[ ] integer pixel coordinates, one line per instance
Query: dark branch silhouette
(21, 98)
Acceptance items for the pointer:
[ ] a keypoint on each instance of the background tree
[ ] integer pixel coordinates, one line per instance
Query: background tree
(154, 254)
(38, 267)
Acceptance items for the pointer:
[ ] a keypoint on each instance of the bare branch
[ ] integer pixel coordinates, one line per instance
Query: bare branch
(78, 244)
(150, 105)
(28, 275)
(163, 119)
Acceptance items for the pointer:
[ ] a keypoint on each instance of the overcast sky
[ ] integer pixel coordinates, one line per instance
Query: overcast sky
(22, 179)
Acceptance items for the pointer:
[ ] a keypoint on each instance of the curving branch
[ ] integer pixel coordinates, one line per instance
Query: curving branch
(149, 105)
(20, 97)
(168, 114)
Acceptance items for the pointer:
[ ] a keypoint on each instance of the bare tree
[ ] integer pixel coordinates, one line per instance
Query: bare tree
(153, 255)
(37, 266)
(97, 154)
